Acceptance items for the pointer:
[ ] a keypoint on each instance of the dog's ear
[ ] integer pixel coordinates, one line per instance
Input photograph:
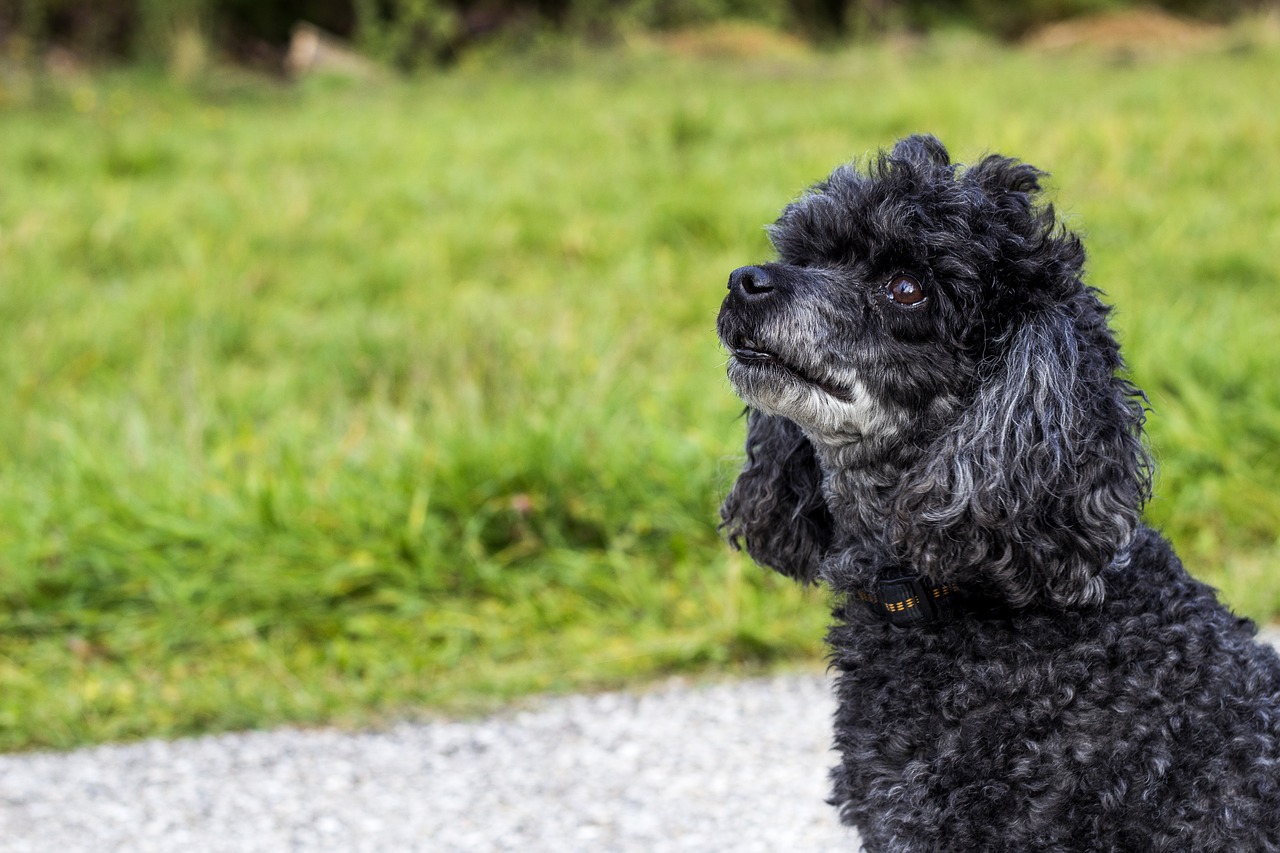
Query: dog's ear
(776, 509)
(922, 149)
(1040, 484)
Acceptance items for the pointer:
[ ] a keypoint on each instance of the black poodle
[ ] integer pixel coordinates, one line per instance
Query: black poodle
(939, 431)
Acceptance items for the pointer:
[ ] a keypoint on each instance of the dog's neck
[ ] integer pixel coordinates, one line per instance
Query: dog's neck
(859, 480)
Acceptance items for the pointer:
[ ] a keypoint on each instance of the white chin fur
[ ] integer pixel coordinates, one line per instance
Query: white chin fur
(823, 417)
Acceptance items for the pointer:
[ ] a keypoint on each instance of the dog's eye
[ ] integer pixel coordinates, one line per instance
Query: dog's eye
(905, 290)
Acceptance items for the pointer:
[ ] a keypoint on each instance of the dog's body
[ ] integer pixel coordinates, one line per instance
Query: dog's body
(1148, 723)
(939, 432)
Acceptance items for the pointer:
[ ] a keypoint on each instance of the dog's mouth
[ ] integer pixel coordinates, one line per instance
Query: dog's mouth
(749, 354)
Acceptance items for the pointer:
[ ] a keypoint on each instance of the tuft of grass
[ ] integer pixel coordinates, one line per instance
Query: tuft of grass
(337, 402)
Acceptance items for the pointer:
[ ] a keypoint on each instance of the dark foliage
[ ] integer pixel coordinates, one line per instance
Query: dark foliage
(414, 32)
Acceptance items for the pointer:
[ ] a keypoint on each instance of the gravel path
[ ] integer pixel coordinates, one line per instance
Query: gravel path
(735, 766)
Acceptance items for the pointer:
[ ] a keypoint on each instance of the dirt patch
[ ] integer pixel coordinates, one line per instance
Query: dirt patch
(1134, 31)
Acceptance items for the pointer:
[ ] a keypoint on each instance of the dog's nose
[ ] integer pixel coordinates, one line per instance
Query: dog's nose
(751, 282)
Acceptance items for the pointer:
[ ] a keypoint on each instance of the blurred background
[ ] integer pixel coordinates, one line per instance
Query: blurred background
(357, 357)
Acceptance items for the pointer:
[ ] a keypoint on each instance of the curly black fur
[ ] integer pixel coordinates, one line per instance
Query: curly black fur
(935, 392)
(776, 508)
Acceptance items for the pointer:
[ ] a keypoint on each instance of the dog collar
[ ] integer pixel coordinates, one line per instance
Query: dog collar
(911, 601)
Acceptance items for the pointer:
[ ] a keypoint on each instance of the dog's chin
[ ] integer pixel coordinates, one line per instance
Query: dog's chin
(757, 368)
(826, 411)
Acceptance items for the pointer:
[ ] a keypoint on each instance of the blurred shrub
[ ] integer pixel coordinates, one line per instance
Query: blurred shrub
(104, 27)
(409, 33)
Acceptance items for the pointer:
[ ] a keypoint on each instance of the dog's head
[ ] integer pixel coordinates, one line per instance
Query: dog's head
(923, 311)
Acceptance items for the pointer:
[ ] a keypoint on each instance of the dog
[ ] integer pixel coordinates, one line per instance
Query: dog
(939, 429)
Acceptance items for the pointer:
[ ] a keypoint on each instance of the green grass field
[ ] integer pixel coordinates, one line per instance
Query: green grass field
(340, 402)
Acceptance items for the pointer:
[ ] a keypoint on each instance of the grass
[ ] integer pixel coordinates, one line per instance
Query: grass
(336, 402)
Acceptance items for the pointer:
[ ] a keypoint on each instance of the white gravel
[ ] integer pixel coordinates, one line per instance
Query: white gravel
(735, 766)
